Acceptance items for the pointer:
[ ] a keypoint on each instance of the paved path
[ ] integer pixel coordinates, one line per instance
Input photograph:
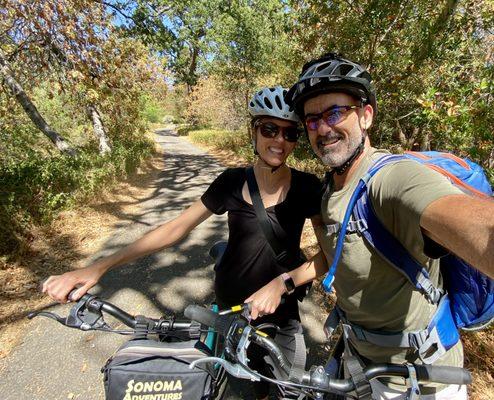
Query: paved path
(55, 363)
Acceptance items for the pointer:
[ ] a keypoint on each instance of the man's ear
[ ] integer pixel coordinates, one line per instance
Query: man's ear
(368, 116)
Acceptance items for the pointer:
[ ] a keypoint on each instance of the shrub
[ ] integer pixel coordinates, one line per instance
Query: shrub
(33, 190)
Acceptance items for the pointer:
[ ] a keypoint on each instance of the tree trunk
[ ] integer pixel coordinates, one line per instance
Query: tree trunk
(425, 143)
(249, 128)
(99, 130)
(31, 109)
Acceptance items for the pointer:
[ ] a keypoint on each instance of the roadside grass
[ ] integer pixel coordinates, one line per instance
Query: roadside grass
(39, 187)
(61, 236)
(239, 144)
(234, 149)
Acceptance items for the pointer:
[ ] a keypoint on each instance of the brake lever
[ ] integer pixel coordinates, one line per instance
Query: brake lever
(233, 369)
(80, 316)
(47, 314)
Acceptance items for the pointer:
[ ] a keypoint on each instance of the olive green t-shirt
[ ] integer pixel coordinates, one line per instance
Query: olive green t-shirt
(371, 292)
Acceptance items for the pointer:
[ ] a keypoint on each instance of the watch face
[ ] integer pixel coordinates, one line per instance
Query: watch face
(289, 284)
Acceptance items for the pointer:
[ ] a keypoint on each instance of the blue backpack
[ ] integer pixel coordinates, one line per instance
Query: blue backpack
(468, 299)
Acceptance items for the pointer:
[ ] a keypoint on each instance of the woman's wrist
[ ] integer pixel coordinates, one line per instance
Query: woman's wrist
(101, 266)
(287, 283)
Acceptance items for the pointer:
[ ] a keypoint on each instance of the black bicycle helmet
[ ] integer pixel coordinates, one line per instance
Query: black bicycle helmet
(331, 73)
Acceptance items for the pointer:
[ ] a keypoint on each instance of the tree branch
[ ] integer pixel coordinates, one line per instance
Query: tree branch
(424, 48)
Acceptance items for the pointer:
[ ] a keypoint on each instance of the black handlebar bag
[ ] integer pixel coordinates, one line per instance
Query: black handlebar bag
(144, 369)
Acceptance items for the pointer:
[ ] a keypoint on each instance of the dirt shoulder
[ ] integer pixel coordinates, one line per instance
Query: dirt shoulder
(64, 245)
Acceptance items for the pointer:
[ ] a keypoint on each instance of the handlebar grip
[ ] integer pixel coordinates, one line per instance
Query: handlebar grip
(202, 315)
(85, 296)
(220, 323)
(443, 374)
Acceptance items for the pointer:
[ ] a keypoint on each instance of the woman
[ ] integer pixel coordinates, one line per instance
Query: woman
(248, 263)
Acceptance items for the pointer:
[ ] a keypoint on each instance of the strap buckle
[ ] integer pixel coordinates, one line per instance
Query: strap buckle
(413, 393)
(359, 225)
(333, 229)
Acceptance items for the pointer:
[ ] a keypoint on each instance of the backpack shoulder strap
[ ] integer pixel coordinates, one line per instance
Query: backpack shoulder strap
(359, 190)
(385, 243)
(379, 237)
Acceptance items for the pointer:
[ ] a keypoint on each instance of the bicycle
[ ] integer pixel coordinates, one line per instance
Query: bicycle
(314, 383)
(153, 365)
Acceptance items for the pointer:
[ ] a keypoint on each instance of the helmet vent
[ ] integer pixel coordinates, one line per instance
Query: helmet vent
(321, 67)
(278, 102)
(271, 102)
(345, 69)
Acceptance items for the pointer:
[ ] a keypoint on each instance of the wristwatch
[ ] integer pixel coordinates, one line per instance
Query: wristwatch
(289, 284)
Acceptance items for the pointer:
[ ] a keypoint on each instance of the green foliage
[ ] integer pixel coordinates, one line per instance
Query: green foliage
(34, 189)
(238, 142)
(183, 129)
(432, 64)
(152, 110)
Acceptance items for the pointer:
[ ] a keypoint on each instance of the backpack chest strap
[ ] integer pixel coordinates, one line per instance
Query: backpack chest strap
(430, 343)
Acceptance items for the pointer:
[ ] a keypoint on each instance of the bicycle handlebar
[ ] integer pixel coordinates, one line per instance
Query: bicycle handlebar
(87, 314)
(425, 373)
(209, 318)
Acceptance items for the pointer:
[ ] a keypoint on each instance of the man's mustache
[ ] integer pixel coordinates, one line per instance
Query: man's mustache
(321, 141)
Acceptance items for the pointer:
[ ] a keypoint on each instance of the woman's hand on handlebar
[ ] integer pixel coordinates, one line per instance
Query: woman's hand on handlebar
(267, 299)
(58, 287)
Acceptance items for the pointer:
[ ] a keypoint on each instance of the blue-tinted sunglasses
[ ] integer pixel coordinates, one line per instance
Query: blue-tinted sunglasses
(331, 117)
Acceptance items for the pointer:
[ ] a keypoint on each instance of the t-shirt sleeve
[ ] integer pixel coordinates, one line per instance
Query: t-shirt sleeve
(400, 193)
(311, 195)
(214, 198)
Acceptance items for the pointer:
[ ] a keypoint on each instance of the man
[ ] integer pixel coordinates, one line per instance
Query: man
(336, 101)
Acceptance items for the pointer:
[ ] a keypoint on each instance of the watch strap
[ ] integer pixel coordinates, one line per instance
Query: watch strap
(288, 282)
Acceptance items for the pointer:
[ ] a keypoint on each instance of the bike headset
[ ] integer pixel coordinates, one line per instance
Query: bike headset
(269, 102)
(329, 74)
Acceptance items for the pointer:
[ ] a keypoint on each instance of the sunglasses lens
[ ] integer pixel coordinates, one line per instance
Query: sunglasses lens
(332, 117)
(291, 134)
(268, 130)
(312, 123)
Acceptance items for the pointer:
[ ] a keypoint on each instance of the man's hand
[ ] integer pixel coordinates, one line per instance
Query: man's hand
(58, 287)
(267, 299)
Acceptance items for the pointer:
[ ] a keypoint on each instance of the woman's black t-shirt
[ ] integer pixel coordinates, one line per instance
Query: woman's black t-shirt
(248, 262)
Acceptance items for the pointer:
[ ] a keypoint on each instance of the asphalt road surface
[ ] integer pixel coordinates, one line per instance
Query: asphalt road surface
(54, 363)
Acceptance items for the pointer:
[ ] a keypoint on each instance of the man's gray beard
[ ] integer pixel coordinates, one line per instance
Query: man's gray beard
(336, 159)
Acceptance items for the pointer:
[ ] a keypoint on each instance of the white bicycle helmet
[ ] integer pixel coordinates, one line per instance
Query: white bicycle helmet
(270, 102)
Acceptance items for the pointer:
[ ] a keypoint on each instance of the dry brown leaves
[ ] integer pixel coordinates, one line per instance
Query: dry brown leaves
(64, 245)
